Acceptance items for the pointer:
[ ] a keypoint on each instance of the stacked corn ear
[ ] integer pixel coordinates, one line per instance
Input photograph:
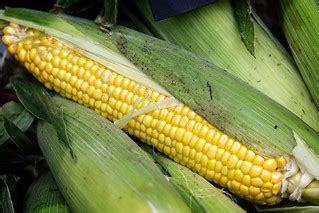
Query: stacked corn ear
(301, 27)
(109, 173)
(212, 32)
(44, 196)
(261, 146)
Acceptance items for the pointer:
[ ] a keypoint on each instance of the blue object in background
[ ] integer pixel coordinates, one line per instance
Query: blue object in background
(167, 8)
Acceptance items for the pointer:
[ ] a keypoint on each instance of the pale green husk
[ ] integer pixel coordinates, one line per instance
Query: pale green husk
(212, 32)
(110, 173)
(301, 27)
(44, 196)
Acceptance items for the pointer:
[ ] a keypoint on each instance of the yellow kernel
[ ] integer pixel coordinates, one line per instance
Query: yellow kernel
(245, 167)
(179, 148)
(259, 197)
(218, 166)
(231, 174)
(203, 132)
(256, 182)
(238, 175)
(192, 153)
(242, 152)
(210, 175)
(179, 134)
(97, 94)
(255, 171)
(223, 181)
(276, 188)
(55, 61)
(267, 187)
(217, 177)
(243, 190)
(273, 200)
(167, 150)
(219, 154)
(281, 162)
(211, 153)
(258, 160)
(63, 64)
(204, 161)
(250, 155)
(198, 156)
(225, 158)
(239, 164)
(211, 165)
(229, 144)
(173, 132)
(200, 144)
(222, 142)
(266, 175)
(235, 185)
(276, 177)
(186, 151)
(270, 164)
(224, 170)
(254, 190)
(210, 135)
(190, 125)
(246, 180)
(187, 138)
(22, 54)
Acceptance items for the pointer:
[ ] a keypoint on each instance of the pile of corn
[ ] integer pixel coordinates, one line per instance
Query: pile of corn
(153, 114)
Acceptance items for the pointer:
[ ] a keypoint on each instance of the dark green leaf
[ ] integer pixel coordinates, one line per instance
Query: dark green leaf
(108, 15)
(242, 12)
(18, 115)
(38, 101)
(6, 204)
(19, 138)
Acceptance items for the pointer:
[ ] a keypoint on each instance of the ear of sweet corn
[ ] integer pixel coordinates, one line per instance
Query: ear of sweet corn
(44, 196)
(110, 172)
(178, 131)
(301, 27)
(212, 32)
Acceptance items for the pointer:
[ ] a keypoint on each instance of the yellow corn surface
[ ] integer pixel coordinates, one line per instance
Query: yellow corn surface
(177, 131)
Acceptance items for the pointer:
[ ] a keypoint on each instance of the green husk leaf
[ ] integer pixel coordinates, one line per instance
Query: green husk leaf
(44, 196)
(242, 9)
(19, 138)
(118, 175)
(198, 193)
(301, 27)
(6, 204)
(17, 115)
(38, 101)
(223, 100)
(212, 32)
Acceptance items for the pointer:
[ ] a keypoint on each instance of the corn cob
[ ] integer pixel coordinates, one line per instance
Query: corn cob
(177, 131)
(44, 196)
(212, 32)
(301, 27)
